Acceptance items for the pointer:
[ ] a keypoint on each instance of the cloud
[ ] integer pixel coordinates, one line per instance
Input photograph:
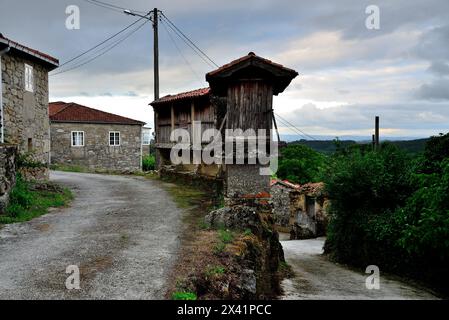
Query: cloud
(347, 72)
(436, 90)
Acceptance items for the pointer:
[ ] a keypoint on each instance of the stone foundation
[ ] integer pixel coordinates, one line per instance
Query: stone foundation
(8, 155)
(35, 174)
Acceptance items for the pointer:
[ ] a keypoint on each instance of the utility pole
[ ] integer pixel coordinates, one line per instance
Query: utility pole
(377, 138)
(156, 53)
(155, 20)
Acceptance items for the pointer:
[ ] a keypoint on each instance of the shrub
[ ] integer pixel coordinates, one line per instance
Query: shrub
(148, 163)
(21, 198)
(363, 187)
(300, 164)
(184, 296)
(390, 210)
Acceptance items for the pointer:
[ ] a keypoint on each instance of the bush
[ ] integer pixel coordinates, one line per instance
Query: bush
(148, 163)
(300, 164)
(390, 210)
(363, 187)
(21, 198)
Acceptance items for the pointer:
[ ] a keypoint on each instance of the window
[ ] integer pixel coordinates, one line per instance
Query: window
(77, 138)
(146, 137)
(29, 78)
(30, 144)
(114, 138)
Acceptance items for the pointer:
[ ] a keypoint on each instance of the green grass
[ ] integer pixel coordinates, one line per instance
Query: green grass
(225, 236)
(215, 270)
(30, 200)
(184, 296)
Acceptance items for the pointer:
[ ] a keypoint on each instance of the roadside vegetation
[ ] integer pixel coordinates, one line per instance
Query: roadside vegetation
(391, 209)
(29, 200)
(148, 163)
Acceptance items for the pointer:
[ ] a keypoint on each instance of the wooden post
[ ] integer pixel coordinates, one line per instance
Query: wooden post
(156, 54)
(172, 117)
(377, 138)
(192, 117)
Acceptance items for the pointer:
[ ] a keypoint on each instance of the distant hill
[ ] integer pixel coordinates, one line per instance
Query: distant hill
(328, 146)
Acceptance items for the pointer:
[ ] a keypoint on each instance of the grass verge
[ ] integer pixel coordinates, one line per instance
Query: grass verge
(29, 200)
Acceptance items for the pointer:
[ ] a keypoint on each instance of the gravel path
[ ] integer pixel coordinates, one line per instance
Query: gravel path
(318, 278)
(122, 232)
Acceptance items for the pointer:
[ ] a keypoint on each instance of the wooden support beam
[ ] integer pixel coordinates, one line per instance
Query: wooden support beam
(192, 115)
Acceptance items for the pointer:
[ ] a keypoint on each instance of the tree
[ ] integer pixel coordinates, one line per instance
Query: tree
(300, 164)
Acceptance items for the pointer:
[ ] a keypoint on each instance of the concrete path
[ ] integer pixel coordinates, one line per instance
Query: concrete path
(318, 278)
(122, 233)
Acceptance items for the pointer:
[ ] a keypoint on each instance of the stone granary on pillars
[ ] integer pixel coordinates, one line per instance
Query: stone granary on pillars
(24, 100)
(94, 139)
(246, 86)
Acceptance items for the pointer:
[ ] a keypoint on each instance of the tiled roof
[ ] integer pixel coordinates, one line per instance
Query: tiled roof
(35, 53)
(249, 56)
(182, 96)
(314, 189)
(72, 112)
(285, 183)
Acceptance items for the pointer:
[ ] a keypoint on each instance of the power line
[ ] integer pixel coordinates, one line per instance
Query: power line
(179, 50)
(190, 46)
(294, 127)
(110, 6)
(101, 43)
(190, 41)
(105, 49)
(291, 129)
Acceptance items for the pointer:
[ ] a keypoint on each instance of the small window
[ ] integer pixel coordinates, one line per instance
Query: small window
(29, 78)
(114, 138)
(77, 138)
(146, 137)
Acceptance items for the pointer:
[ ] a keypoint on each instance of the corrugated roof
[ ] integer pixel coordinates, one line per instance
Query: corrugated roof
(33, 52)
(182, 96)
(73, 112)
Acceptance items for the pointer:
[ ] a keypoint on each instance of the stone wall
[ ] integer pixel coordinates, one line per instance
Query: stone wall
(96, 153)
(26, 121)
(7, 173)
(281, 205)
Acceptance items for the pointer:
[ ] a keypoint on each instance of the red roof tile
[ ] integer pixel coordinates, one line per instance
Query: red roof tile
(43, 56)
(249, 56)
(182, 96)
(72, 112)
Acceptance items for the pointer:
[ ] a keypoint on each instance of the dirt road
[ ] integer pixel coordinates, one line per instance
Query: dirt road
(122, 233)
(318, 278)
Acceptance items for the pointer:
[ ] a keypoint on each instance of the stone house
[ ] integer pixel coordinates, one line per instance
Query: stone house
(94, 139)
(308, 207)
(24, 98)
(300, 209)
(280, 193)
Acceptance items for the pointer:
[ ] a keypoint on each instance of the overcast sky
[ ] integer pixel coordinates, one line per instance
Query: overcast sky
(348, 73)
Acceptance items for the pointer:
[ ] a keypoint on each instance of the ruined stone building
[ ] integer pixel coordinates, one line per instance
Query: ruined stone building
(300, 209)
(280, 193)
(24, 98)
(94, 139)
